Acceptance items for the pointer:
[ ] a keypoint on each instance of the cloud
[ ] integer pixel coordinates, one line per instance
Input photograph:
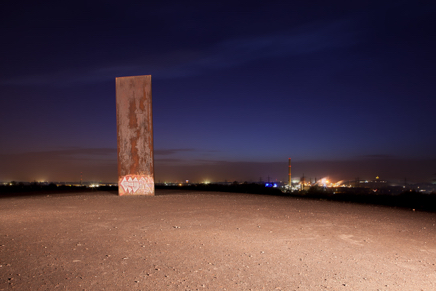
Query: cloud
(86, 151)
(73, 153)
(382, 156)
(169, 160)
(172, 151)
(180, 63)
(310, 38)
(307, 39)
(97, 164)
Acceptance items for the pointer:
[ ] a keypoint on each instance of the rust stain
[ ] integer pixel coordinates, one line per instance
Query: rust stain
(135, 135)
(132, 115)
(134, 156)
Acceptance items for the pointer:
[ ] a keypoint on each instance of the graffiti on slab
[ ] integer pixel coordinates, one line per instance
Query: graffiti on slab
(137, 184)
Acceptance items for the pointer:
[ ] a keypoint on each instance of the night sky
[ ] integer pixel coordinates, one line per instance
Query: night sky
(344, 88)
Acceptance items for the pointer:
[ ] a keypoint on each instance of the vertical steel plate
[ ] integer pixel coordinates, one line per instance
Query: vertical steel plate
(135, 135)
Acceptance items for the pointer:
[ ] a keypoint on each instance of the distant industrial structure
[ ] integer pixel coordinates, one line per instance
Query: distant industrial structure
(289, 173)
(376, 186)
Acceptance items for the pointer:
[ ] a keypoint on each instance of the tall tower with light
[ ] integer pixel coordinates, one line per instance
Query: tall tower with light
(289, 175)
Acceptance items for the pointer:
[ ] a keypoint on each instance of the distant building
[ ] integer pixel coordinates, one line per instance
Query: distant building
(373, 184)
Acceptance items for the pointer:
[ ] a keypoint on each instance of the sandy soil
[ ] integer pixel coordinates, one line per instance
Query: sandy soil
(211, 241)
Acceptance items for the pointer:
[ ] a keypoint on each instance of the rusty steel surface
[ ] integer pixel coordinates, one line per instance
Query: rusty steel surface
(135, 135)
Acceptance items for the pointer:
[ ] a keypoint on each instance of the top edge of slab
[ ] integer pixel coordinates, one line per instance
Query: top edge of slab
(126, 77)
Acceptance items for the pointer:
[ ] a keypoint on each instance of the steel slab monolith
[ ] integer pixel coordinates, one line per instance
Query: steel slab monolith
(135, 136)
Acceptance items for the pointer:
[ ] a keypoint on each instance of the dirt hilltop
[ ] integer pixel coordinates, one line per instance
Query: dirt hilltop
(181, 240)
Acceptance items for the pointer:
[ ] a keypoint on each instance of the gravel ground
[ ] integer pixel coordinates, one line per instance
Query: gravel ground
(180, 240)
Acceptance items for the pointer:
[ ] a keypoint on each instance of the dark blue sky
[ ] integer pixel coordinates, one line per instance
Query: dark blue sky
(344, 88)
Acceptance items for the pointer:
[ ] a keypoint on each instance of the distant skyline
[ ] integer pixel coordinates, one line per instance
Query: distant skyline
(344, 88)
